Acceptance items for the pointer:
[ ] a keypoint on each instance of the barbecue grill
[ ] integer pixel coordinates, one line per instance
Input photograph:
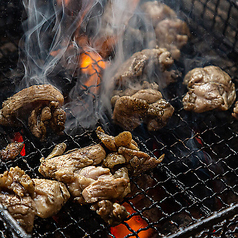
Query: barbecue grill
(194, 191)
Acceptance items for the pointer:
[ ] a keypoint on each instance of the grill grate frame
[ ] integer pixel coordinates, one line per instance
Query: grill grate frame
(178, 180)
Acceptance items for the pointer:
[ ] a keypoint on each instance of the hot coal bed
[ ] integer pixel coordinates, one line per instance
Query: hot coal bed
(193, 192)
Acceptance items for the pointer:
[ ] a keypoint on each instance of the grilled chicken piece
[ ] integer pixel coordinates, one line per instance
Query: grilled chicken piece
(22, 209)
(11, 151)
(147, 106)
(139, 64)
(16, 193)
(114, 159)
(138, 161)
(112, 213)
(40, 104)
(208, 88)
(63, 167)
(171, 32)
(129, 112)
(158, 114)
(112, 143)
(50, 197)
(157, 11)
(84, 178)
(104, 189)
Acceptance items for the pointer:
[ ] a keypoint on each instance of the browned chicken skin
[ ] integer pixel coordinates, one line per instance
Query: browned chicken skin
(25, 197)
(16, 193)
(40, 104)
(139, 64)
(50, 196)
(208, 88)
(95, 176)
(146, 105)
(11, 151)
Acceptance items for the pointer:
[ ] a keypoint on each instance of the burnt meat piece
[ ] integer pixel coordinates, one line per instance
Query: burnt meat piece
(112, 213)
(16, 193)
(40, 104)
(208, 88)
(141, 63)
(50, 196)
(11, 151)
(146, 105)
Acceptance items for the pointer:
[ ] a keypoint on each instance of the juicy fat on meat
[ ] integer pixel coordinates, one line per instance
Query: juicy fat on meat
(208, 88)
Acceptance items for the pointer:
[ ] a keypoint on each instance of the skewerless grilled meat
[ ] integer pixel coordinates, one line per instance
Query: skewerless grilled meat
(39, 105)
(99, 176)
(16, 193)
(11, 151)
(171, 33)
(146, 105)
(25, 198)
(49, 197)
(141, 64)
(112, 213)
(208, 88)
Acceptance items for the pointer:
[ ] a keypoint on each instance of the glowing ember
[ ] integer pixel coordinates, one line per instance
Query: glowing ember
(92, 65)
(18, 138)
(135, 223)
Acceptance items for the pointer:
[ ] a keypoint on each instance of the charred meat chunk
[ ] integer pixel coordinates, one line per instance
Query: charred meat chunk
(112, 213)
(16, 193)
(146, 106)
(11, 151)
(208, 88)
(50, 196)
(40, 104)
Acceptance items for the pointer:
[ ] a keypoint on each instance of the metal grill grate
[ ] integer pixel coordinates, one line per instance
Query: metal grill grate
(191, 192)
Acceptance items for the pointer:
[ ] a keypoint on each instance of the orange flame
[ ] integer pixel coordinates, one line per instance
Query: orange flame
(18, 138)
(135, 223)
(92, 65)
